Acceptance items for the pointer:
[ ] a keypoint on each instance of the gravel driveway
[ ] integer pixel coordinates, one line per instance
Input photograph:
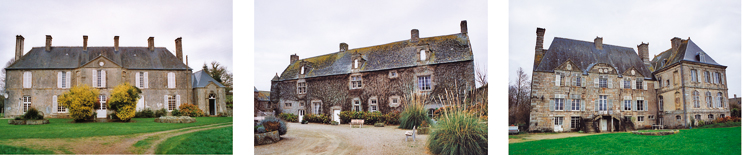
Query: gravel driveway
(341, 139)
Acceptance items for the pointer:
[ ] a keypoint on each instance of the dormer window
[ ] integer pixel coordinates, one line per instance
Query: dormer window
(423, 55)
(355, 63)
(392, 74)
(302, 70)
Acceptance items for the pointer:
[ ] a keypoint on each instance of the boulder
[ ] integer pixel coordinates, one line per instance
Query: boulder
(267, 138)
(28, 122)
(175, 119)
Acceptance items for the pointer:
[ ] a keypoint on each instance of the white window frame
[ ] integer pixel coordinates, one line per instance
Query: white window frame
(694, 75)
(603, 82)
(373, 103)
(640, 118)
(697, 117)
(141, 80)
(302, 70)
(578, 81)
(356, 81)
(626, 83)
(60, 108)
(640, 105)
(711, 116)
(696, 99)
(26, 103)
(627, 105)
(301, 87)
(707, 76)
(103, 100)
(639, 84)
(603, 103)
(709, 100)
(575, 105)
(171, 103)
(559, 104)
(170, 80)
(424, 83)
(357, 104)
(423, 55)
(431, 112)
(355, 63)
(316, 107)
(574, 121)
(558, 120)
(27, 79)
(720, 100)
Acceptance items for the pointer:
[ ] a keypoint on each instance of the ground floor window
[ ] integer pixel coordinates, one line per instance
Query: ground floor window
(423, 82)
(301, 112)
(627, 105)
(316, 109)
(26, 103)
(102, 102)
(574, 122)
(60, 108)
(698, 117)
(678, 117)
(356, 105)
(721, 115)
(558, 120)
(711, 116)
(171, 102)
(640, 118)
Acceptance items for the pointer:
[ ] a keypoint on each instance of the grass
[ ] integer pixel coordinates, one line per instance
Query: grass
(720, 125)
(214, 141)
(692, 141)
(4, 149)
(653, 130)
(64, 128)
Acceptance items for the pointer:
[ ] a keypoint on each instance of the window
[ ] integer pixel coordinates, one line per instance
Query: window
(373, 105)
(559, 104)
(141, 80)
(301, 103)
(302, 70)
(661, 103)
(561, 79)
(171, 102)
(301, 87)
(639, 84)
(356, 105)
(709, 99)
(706, 76)
(626, 83)
(63, 79)
(575, 105)
(355, 63)
(693, 75)
(603, 103)
(711, 116)
(317, 107)
(696, 99)
(287, 104)
(698, 117)
(720, 100)
(627, 105)
(719, 78)
(640, 118)
(558, 120)
(603, 82)
(26, 103)
(102, 102)
(578, 81)
(431, 112)
(639, 105)
(721, 116)
(423, 82)
(170, 80)
(716, 78)
(392, 74)
(356, 82)
(574, 121)
(651, 117)
(27, 80)
(659, 81)
(60, 109)
(668, 83)
(676, 78)
(301, 112)
(678, 117)
(98, 78)
(423, 55)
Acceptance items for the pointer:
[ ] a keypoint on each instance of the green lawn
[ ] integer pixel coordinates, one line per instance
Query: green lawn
(4, 149)
(64, 128)
(214, 141)
(693, 141)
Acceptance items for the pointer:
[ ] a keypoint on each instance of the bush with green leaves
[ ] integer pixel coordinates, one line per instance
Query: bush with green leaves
(269, 123)
(146, 113)
(32, 114)
(289, 117)
(414, 114)
(175, 112)
(392, 118)
(161, 112)
(315, 118)
(334, 123)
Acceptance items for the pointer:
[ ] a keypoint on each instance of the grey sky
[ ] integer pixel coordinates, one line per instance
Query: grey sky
(206, 26)
(313, 28)
(715, 27)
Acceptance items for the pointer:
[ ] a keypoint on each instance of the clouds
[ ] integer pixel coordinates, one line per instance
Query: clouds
(313, 28)
(715, 27)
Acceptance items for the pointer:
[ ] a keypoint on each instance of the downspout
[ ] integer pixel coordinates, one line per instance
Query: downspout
(682, 87)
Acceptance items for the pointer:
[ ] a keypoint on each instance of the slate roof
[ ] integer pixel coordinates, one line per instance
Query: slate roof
(200, 79)
(687, 51)
(400, 54)
(585, 55)
(74, 57)
(263, 96)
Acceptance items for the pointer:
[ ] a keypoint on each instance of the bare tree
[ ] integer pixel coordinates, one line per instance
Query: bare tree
(2, 76)
(519, 102)
(481, 75)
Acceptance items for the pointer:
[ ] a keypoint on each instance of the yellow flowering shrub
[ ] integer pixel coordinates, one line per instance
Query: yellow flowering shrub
(124, 101)
(190, 110)
(81, 102)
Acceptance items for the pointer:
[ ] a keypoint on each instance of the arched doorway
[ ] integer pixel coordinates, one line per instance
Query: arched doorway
(212, 104)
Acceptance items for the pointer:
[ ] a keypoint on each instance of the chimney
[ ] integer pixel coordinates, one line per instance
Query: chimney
(598, 43)
(415, 35)
(115, 43)
(343, 47)
(539, 46)
(151, 43)
(186, 60)
(294, 57)
(675, 43)
(463, 26)
(179, 48)
(85, 42)
(18, 47)
(48, 42)
(644, 52)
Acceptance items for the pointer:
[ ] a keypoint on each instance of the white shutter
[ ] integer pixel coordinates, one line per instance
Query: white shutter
(146, 80)
(167, 106)
(597, 82)
(574, 81)
(30, 80)
(59, 79)
(557, 80)
(584, 81)
(177, 101)
(95, 79)
(620, 83)
(610, 83)
(633, 84)
(54, 104)
(699, 77)
(644, 83)
(103, 79)
(136, 79)
(69, 79)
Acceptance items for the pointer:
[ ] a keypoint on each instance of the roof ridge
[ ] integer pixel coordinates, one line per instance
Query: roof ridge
(401, 41)
(593, 42)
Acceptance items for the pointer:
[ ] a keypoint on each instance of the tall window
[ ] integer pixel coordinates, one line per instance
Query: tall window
(27, 80)
(171, 102)
(640, 118)
(627, 105)
(575, 105)
(626, 83)
(559, 104)
(59, 107)
(26, 103)
(423, 82)
(603, 103)
(706, 76)
(604, 82)
(356, 105)
(661, 103)
(698, 117)
(301, 87)
(317, 109)
(578, 81)
(720, 99)
(711, 116)
(356, 81)
(140, 79)
(574, 122)
(98, 78)
(423, 55)
(373, 105)
(639, 105)
(355, 63)
(709, 99)
(170, 80)
(102, 102)
(696, 99)
(639, 84)
(676, 78)
(558, 120)
(717, 78)
(302, 70)
(64, 79)
(659, 81)
(693, 75)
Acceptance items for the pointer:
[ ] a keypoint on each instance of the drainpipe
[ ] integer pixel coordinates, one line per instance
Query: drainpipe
(682, 87)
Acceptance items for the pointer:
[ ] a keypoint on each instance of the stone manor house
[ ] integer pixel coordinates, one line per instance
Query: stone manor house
(38, 77)
(375, 78)
(595, 87)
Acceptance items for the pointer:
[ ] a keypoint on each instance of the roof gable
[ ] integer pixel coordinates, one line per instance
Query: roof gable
(687, 51)
(200, 79)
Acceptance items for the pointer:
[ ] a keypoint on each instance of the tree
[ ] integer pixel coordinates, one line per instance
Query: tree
(519, 101)
(81, 102)
(124, 101)
(220, 74)
(481, 75)
(2, 76)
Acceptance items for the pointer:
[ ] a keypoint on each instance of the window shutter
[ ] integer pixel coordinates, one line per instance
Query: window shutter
(582, 105)
(557, 80)
(54, 104)
(633, 84)
(59, 79)
(699, 77)
(633, 105)
(574, 81)
(146, 80)
(610, 83)
(646, 106)
(596, 102)
(30, 80)
(644, 83)
(69, 79)
(174, 80)
(166, 103)
(597, 82)
(568, 105)
(721, 78)
(621, 83)
(136, 79)
(551, 105)
(583, 84)
(177, 101)
(610, 105)
(623, 106)
(103, 79)
(95, 78)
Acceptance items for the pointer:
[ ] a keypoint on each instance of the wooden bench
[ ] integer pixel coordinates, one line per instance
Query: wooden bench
(356, 122)
(411, 133)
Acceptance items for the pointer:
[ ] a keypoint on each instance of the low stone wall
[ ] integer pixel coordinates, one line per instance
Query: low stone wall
(661, 133)
(28, 122)
(267, 138)
(175, 119)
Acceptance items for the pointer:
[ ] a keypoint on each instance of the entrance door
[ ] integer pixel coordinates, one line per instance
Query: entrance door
(603, 125)
(103, 110)
(212, 106)
(301, 115)
(336, 115)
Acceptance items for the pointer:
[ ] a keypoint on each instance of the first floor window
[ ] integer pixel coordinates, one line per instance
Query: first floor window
(26, 103)
(301, 87)
(575, 104)
(578, 81)
(639, 84)
(559, 104)
(171, 102)
(721, 116)
(603, 103)
(423, 82)
(574, 122)
(603, 82)
(694, 75)
(356, 81)
(316, 108)
(626, 84)
(678, 117)
(640, 105)
(356, 105)
(558, 120)
(640, 118)
(288, 104)
(372, 106)
(651, 117)
(627, 105)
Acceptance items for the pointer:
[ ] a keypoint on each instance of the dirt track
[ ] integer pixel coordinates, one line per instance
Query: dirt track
(341, 139)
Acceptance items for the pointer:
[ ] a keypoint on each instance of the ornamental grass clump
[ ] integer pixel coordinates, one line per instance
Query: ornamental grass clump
(414, 113)
(459, 130)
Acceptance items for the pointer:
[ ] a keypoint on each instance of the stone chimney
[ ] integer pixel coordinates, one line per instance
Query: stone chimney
(85, 42)
(294, 57)
(186, 60)
(179, 48)
(598, 43)
(343, 47)
(415, 35)
(115, 43)
(675, 43)
(151, 43)
(643, 52)
(18, 47)
(48, 42)
(539, 46)
(463, 26)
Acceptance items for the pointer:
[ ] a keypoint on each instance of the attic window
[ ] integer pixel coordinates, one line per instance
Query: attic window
(355, 63)
(392, 74)
(423, 56)
(302, 70)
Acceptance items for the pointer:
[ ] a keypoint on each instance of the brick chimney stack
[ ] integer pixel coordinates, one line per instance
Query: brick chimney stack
(151, 43)
(415, 35)
(85, 42)
(179, 48)
(48, 42)
(598, 43)
(115, 43)
(294, 57)
(675, 43)
(463, 27)
(343, 47)
(644, 52)
(18, 47)
(539, 46)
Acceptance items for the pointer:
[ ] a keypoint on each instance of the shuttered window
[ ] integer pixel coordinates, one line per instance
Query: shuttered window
(27, 80)
(170, 80)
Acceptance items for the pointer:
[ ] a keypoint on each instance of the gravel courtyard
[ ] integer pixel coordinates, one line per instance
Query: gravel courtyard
(341, 139)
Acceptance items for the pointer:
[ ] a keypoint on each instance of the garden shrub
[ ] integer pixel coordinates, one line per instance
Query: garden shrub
(81, 102)
(123, 101)
(261, 129)
(373, 117)
(175, 112)
(459, 133)
(190, 110)
(392, 118)
(304, 122)
(315, 118)
(414, 114)
(272, 123)
(146, 113)
(423, 130)
(32, 114)
(334, 123)
(289, 117)
(161, 112)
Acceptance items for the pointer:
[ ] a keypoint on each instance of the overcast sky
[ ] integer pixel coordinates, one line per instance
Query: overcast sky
(715, 27)
(206, 26)
(314, 28)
